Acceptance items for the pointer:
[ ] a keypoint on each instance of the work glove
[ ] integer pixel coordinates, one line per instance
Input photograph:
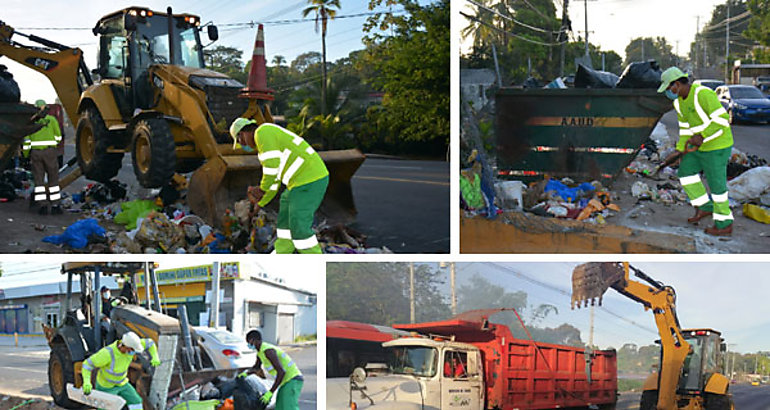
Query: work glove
(87, 388)
(266, 397)
(155, 362)
(243, 374)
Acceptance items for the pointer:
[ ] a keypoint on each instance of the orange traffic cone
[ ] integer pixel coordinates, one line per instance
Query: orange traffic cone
(256, 87)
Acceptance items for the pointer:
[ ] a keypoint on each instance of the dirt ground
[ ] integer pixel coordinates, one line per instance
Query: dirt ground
(20, 403)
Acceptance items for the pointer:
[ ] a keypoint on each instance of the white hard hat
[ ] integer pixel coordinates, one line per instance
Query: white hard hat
(131, 340)
(237, 126)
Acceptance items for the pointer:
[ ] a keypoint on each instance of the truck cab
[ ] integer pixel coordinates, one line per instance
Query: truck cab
(422, 373)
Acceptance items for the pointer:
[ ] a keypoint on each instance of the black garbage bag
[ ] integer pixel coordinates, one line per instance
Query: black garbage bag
(641, 74)
(531, 82)
(590, 78)
(248, 392)
(209, 392)
(226, 386)
(9, 89)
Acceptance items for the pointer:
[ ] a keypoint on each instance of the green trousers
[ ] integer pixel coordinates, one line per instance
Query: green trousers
(288, 395)
(127, 392)
(713, 164)
(295, 218)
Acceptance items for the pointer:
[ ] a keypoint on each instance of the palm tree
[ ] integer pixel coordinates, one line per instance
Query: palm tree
(278, 60)
(324, 10)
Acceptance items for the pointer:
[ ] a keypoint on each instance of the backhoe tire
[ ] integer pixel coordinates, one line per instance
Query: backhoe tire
(717, 402)
(649, 400)
(60, 372)
(153, 152)
(91, 144)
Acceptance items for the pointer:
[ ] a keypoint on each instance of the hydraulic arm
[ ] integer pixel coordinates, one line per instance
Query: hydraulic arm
(591, 280)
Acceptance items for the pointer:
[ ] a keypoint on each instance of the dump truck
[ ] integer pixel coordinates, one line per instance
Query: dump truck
(156, 100)
(690, 375)
(352, 344)
(581, 133)
(469, 362)
(83, 332)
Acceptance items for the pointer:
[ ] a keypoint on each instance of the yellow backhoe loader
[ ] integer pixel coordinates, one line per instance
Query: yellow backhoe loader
(156, 100)
(690, 376)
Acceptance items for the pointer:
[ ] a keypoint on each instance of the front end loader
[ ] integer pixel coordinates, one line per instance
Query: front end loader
(690, 374)
(156, 100)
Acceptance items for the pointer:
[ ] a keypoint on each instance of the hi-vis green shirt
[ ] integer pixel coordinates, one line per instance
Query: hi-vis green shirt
(289, 367)
(46, 137)
(702, 113)
(113, 365)
(286, 158)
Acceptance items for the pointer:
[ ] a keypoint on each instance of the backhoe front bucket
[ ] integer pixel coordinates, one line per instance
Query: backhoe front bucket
(223, 180)
(591, 280)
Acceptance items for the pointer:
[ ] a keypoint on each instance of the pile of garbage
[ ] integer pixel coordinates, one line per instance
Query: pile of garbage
(239, 393)
(163, 223)
(640, 74)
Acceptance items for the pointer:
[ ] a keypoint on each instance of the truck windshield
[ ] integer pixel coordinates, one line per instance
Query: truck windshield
(693, 363)
(152, 37)
(418, 361)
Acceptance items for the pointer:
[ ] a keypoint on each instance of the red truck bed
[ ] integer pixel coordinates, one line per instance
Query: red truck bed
(518, 376)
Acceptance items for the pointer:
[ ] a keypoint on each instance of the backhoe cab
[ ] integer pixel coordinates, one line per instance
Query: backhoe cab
(690, 373)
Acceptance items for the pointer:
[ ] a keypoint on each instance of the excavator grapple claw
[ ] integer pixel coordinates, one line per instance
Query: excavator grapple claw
(591, 280)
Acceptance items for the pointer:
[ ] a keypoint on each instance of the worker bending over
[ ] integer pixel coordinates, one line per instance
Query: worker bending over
(113, 362)
(286, 159)
(705, 145)
(288, 378)
(40, 148)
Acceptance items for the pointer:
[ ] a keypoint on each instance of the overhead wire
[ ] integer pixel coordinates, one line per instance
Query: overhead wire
(520, 37)
(485, 8)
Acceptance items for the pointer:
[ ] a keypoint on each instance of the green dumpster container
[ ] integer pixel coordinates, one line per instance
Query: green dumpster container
(584, 134)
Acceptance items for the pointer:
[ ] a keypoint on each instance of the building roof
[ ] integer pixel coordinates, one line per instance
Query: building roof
(477, 76)
(19, 291)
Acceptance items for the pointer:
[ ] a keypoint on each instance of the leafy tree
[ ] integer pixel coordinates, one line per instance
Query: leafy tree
(379, 293)
(306, 62)
(324, 11)
(226, 60)
(648, 48)
(759, 28)
(412, 69)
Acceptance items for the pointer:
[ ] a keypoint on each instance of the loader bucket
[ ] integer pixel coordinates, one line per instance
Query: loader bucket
(223, 180)
(591, 280)
(15, 124)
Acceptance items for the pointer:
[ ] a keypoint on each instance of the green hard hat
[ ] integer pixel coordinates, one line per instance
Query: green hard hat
(237, 126)
(669, 76)
(40, 103)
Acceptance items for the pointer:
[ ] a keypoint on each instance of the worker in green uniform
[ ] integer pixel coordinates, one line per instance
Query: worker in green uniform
(113, 362)
(286, 158)
(288, 378)
(40, 148)
(705, 145)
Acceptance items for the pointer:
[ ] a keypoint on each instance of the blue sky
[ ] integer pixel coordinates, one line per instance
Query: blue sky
(289, 40)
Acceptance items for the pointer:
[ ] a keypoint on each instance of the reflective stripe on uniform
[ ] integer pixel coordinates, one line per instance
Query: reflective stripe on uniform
(55, 197)
(701, 200)
(685, 132)
(285, 154)
(689, 180)
(310, 151)
(53, 189)
(297, 140)
(40, 197)
(676, 107)
(270, 171)
(306, 243)
(43, 143)
(714, 135)
(269, 155)
(684, 124)
(89, 365)
(274, 187)
(292, 170)
(720, 217)
(135, 406)
(283, 233)
(716, 114)
(706, 121)
(39, 189)
(720, 197)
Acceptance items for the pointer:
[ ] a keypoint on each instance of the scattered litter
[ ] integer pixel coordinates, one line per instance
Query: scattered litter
(79, 234)
(757, 213)
(751, 185)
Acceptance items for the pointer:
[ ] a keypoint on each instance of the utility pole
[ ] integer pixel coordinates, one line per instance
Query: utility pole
(591, 328)
(727, 43)
(642, 48)
(697, 38)
(452, 284)
(585, 4)
(563, 35)
(214, 312)
(411, 292)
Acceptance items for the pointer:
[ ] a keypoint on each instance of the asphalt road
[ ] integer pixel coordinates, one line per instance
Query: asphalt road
(24, 373)
(403, 204)
(745, 397)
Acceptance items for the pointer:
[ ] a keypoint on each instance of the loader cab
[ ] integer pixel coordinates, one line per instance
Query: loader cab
(703, 361)
(133, 39)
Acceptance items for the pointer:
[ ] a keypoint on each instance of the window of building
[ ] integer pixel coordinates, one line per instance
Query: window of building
(52, 319)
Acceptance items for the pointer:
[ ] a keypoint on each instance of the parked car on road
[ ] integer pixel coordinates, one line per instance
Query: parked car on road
(744, 103)
(223, 349)
(713, 84)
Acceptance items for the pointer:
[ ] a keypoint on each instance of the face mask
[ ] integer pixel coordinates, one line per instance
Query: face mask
(247, 148)
(105, 296)
(671, 95)
(252, 347)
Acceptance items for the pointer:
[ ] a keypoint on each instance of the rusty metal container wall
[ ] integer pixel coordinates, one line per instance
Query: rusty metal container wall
(584, 134)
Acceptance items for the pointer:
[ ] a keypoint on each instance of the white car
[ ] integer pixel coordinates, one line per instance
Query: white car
(222, 349)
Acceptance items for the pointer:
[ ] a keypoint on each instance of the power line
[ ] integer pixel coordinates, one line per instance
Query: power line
(511, 34)
(485, 8)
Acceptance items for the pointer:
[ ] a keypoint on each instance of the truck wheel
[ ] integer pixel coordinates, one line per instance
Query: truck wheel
(717, 402)
(91, 144)
(649, 400)
(153, 152)
(60, 372)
